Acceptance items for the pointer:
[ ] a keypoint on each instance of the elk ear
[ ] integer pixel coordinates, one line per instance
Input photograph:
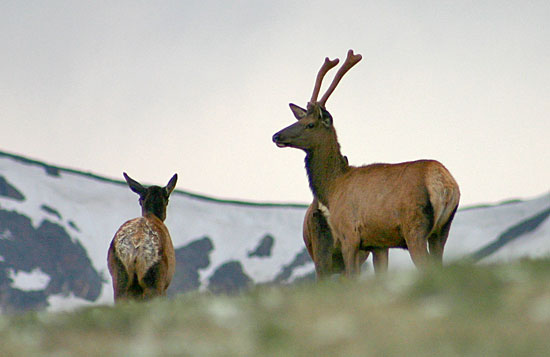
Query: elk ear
(171, 185)
(299, 112)
(326, 118)
(134, 185)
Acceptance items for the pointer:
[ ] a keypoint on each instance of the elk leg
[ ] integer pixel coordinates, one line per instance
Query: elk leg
(322, 243)
(134, 290)
(120, 292)
(151, 292)
(380, 260)
(120, 279)
(338, 266)
(325, 264)
(416, 238)
(152, 282)
(120, 285)
(418, 250)
(352, 260)
(437, 243)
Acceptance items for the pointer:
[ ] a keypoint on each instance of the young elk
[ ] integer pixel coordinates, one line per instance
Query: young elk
(141, 257)
(320, 243)
(370, 208)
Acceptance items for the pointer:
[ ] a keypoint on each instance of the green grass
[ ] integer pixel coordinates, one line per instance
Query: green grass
(461, 310)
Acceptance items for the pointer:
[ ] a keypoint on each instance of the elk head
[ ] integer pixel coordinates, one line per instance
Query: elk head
(153, 199)
(314, 126)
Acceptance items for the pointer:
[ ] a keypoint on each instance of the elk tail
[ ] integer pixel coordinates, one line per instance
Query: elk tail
(444, 197)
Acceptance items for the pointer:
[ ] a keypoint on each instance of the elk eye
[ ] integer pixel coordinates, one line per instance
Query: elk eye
(310, 125)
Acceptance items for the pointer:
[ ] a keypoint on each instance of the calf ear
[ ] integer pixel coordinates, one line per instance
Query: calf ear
(134, 185)
(171, 185)
(299, 112)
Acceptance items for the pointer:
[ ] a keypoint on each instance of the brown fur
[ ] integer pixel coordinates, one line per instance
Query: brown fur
(370, 208)
(141, 256)
(319, 242)
(407, 205)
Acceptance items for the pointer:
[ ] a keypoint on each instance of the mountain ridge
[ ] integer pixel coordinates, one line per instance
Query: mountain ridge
(221, 245)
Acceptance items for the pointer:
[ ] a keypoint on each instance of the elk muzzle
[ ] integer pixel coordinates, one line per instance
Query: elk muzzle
(291, 136)
(277, 140)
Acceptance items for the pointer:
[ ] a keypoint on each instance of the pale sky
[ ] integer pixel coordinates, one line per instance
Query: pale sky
(199, 87)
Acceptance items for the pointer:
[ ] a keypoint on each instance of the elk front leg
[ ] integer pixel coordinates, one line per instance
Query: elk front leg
(352, 258)
(380, 260)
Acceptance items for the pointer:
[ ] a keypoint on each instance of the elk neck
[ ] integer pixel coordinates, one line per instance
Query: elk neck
(155, 208)
(157, 213)
(324, 164)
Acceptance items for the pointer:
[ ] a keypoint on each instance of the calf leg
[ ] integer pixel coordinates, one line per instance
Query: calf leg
(119, 277)
(120, 286)
(152, 283)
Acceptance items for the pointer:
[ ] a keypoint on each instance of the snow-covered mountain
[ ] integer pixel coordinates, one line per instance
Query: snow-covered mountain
(56, 225)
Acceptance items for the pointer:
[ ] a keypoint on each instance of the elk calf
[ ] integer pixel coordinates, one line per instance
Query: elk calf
(370, 208)
(141, 257)
(319, 242)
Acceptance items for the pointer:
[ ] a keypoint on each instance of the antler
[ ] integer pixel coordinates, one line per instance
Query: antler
(351, 60)
(327, 66)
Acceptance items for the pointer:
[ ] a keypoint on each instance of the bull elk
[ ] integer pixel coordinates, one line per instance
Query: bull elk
(141, 257)
(369, 208)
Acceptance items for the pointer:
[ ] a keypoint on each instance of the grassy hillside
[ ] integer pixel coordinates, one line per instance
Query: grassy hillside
(462, 310)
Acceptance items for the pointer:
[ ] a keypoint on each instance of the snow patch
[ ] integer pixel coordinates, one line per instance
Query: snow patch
(60, 302)
(98, 208)
(302, 271)
(34, 280)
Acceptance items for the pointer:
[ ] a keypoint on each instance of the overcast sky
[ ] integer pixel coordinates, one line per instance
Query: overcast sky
(199, 87)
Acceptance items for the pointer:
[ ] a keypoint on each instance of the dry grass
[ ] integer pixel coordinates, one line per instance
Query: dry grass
(462, 310)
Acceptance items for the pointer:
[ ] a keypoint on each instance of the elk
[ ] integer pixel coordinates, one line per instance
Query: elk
(369, 208)
(319, 242)
(141, 256)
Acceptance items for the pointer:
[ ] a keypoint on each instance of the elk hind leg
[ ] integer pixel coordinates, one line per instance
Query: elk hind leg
(119, 276)
(134, 290)
(120, 286)
(437, 242)
(416, 238)
(152, 283)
